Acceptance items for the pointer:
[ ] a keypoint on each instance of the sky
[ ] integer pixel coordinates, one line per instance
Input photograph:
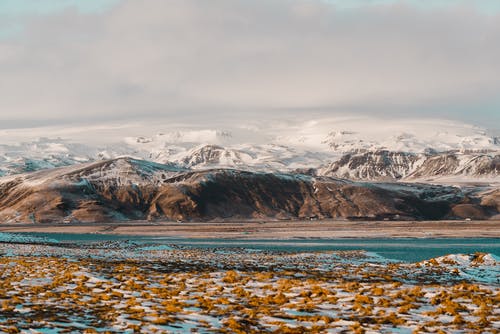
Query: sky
(93, 61)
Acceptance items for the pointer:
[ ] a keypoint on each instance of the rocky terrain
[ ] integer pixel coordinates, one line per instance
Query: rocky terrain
(389, 165)
(126, 189)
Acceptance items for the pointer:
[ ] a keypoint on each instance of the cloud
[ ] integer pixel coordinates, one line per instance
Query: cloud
(27, 7)
(181, 58)
(489, 7)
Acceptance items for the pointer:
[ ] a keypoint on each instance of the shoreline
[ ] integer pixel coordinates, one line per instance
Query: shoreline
(282, 230)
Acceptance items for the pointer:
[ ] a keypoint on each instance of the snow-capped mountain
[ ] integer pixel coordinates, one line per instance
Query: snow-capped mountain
(353, 148)
(386, 165)
(43, 153)
(415, 136)
(253, 157)
(376, 165)
(460, 165)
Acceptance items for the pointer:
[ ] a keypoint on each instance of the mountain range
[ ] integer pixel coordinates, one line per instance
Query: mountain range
(450, 171)
(373, 165)
(392, 149)
(129, 189)
(387, 165)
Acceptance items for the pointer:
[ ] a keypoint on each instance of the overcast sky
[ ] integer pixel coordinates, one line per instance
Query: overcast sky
(106, 60)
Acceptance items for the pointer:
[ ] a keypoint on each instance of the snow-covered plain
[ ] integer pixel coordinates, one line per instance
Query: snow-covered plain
(120, 288)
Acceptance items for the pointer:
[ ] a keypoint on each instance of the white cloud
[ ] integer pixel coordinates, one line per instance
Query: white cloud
(183, 58)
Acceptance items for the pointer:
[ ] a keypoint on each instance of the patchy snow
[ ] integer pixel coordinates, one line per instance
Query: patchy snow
(204, 290)
(479, 267)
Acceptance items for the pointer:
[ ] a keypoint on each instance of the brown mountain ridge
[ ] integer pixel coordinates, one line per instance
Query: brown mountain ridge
(130, 189)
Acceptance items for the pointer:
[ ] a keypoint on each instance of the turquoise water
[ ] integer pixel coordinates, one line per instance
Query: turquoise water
(404, 249)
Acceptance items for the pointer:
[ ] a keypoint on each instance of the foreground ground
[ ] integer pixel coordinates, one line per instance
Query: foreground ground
(126, 288)
(280, 229)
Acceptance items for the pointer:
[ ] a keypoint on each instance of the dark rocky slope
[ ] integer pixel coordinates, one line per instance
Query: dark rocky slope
(124, 189)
